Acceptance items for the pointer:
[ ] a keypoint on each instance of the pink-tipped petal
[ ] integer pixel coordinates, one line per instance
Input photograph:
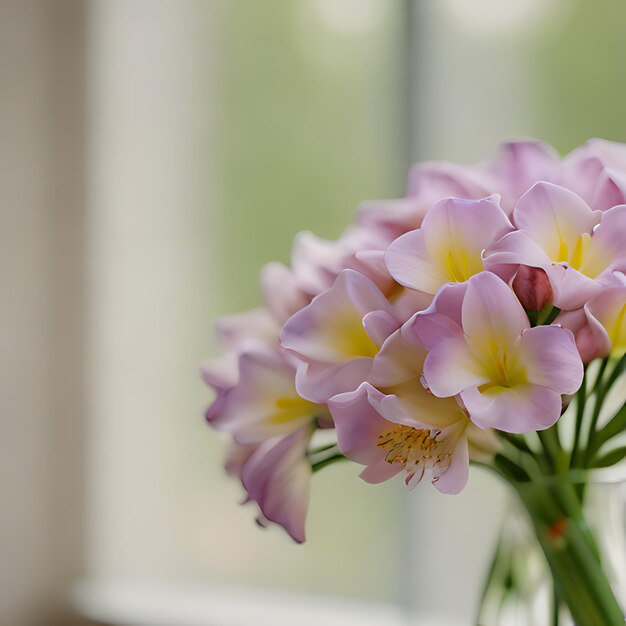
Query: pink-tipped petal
(516, 248)
(554, 217)
(401, 358)
(277, 476)
(519, 165)
(450, 367)
(436, 180)
(570, 288)
(379, 325)
(454, 479)
(607, 248)
(281, 294)
(358, 424)
(519, 409)
(251, 330)
(330, 329)
(491, 309)
(465, 225)
(379, 471)
(317, 382)
(409, 262)
(551, 358)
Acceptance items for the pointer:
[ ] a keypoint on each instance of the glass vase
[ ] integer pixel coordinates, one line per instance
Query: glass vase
(557, 562)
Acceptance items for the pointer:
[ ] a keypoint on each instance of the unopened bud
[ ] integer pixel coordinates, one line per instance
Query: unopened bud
(532, 287)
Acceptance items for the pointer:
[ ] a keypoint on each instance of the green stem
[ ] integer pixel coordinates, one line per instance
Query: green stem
(581, 399)
(565, 540)
(316, 467)
(601, 389)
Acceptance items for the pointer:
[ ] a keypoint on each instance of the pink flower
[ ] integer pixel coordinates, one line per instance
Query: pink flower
(596, 171)
(557, 232)
(264, 403)
(336, 336)
(600, 327)
(480, 345)
(449, 245)
(395, 425)
(250, 332)
(518, 166)
(388, 447)
(257, 403)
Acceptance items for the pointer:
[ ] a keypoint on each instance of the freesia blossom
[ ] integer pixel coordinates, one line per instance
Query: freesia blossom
(412, 329)
(394, 424)
(336, 336)
(256, 402)
(449, 245)
(264, 403)
(271, 426)
(249, 332)
(480, 346)
(557, 232)
(388, 447)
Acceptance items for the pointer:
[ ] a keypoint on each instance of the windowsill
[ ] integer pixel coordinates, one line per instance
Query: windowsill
(154, 604)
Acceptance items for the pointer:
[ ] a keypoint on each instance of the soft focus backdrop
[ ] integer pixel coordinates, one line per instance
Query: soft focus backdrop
(154, 155)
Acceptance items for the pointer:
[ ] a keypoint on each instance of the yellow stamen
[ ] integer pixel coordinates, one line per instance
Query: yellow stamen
(407, 446)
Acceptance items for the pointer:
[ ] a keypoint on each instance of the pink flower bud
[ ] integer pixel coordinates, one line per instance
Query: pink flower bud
(532, 287)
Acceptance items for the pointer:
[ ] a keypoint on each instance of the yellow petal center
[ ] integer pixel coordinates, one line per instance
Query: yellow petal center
(501, 366)
(574, 257)
(617, 333)
(461, 264)
(289, 408)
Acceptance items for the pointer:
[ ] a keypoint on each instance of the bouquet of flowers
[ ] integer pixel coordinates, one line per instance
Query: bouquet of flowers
(450, 327)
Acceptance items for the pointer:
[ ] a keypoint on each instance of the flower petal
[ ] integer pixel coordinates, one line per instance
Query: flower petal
(454, 479)
(607, 247)
(450, 367)
(554, 217)
(317, 382)
(408, 261)
(519, 409)
(464, 226)
(379, 325)
(358, 424)
(330, 329)
(264, 403)
(281, 294)
(277, 476)
(519, 165)
(491, 311)
(551, 358)
(436, 180)
(516, 248)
